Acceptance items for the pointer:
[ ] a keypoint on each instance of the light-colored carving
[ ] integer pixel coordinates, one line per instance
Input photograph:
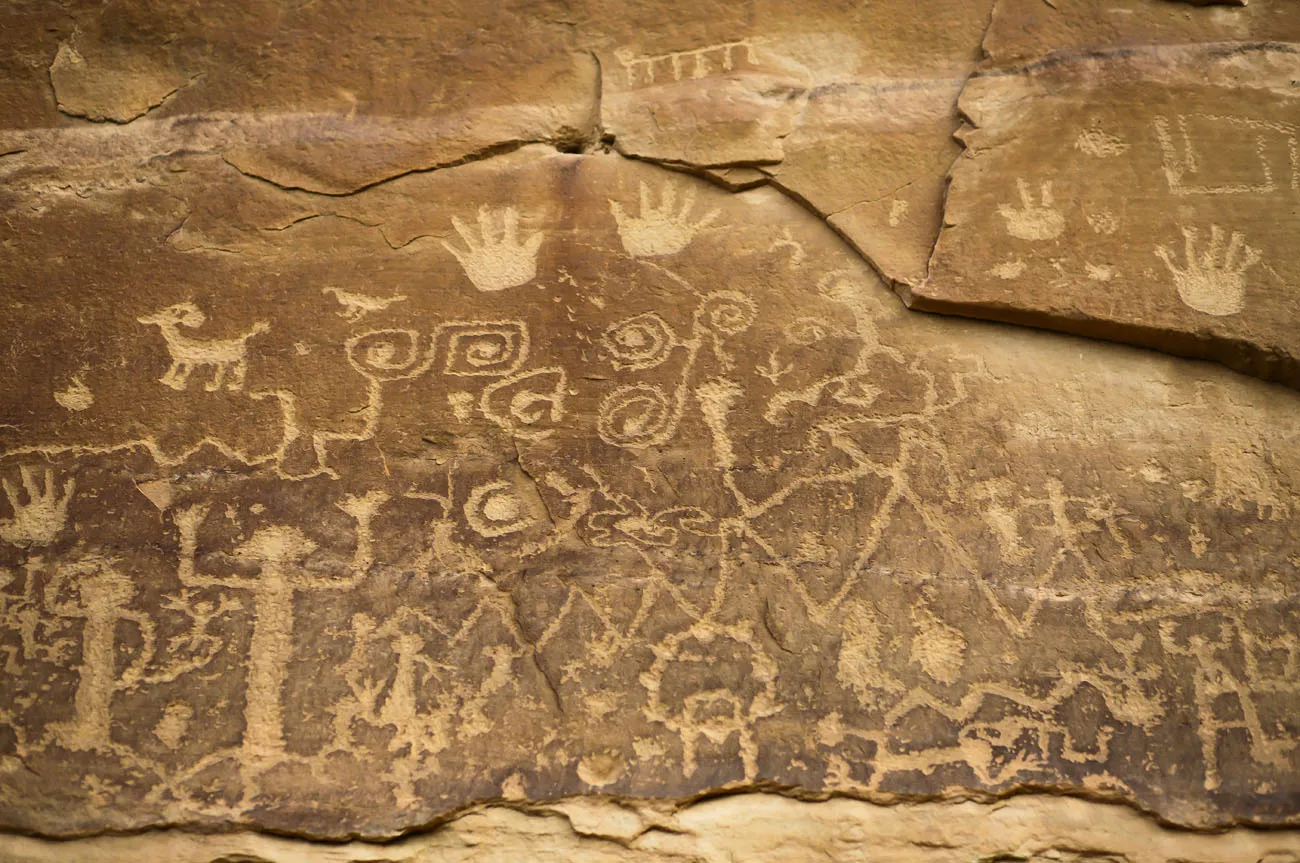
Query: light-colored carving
(495, 509)
(696, 63)
(529, 404)
(104, 595)
(660, 229)
(716, 398)
(485, 348)
(1008, 270)
(357, 305)
(714, 714)
(277, 552)
(1099, 143)
(938, 648)
(388, 355)
(496, 258)
(638, 415)
(39, 510)
(642, 342)
(619, 519)
(1214, 280)
(1033, 221)
(787, 241)
(94, 591)
(76, 397)
(858, 665)
(1182, 164)
(225, 356)
(1228, 663)
(897, 212)
(1102, 222)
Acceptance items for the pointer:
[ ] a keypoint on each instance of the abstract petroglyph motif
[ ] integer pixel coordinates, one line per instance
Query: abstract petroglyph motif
(1099, 143)
(490, 348)
(643, 415)
(529, 404)
(642, 70)
(223, 356)
(496, 257)
(388, 355)
(662, 229)
(1030, 220)
(1212, 280)
(1276, 150)
(496, 509)
(642, 342)
(639, 415)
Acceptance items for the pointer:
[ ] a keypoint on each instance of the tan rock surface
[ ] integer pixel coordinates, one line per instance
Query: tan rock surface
(431, 406)
(1026, 30)
(754, 827)
(1150, 198)
(477, 475)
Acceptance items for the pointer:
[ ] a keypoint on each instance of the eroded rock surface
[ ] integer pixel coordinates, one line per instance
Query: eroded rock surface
(757, 827)
(1149, 197)
(479, 480)
(375, 443)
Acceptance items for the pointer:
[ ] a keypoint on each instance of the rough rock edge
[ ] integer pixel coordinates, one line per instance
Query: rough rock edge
(752, 826)
(1268, 364)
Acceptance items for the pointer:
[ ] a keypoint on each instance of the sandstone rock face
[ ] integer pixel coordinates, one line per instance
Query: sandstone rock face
(759, 827)
(1149, 196)
(411, 410)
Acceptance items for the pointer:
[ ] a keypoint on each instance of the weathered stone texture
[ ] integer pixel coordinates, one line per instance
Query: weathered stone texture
(434, 405)
(754, 827)
(1148, 197)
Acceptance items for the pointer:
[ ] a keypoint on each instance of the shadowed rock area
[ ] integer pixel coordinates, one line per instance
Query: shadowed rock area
(502, 429)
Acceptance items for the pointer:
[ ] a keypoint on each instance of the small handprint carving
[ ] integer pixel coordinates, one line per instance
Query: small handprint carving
(38, 519)
(660, 230)
(496, 258)
(1214, 281)
(1032, 221)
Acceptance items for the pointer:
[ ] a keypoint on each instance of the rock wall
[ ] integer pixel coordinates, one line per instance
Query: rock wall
(526, 420)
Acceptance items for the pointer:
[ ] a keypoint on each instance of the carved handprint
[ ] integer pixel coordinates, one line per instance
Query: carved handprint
(1213, 282)
(38, 520)
(496, 259)
(662, 230)
(1032, 221)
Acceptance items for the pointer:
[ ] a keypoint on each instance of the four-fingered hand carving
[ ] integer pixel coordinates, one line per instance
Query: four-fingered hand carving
(497, 258)
(660, 230)
(1214, 281)
(1032, 221)
(38, 520)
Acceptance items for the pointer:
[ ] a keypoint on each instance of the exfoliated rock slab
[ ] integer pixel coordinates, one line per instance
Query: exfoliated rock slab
(300, 94)
(1152, 198)
(554, 474)
(1028, 30)
(850, 110)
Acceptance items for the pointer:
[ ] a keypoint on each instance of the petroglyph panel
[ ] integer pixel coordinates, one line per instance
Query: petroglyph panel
(1150, 197)
(482, 483)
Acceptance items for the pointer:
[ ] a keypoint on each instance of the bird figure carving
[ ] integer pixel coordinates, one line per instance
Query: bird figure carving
(357, 306)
